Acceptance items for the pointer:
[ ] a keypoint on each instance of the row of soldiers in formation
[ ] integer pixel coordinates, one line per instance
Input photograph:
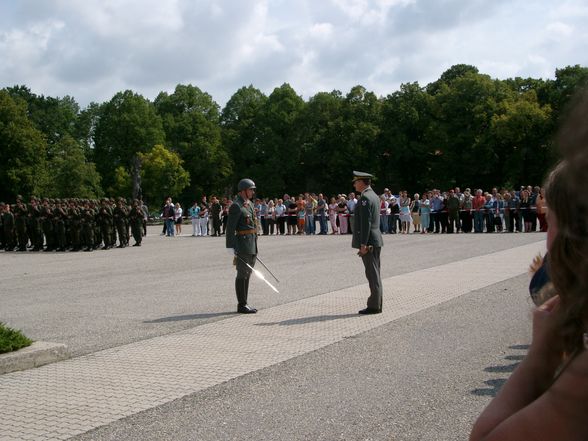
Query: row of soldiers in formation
(70, 224)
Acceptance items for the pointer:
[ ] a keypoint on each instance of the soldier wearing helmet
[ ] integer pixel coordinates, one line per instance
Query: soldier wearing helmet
(241, 241)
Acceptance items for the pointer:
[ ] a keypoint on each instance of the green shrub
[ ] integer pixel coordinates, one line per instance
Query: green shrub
(12, 340)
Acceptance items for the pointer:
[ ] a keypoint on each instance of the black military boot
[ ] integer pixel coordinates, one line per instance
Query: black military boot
(246, 287)
(241, 290)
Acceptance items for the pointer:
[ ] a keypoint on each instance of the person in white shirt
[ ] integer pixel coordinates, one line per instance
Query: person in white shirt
(281, 216)
(351, 203)
(178, 219)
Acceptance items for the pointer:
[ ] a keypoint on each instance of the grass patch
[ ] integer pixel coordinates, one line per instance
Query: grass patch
(12, 340)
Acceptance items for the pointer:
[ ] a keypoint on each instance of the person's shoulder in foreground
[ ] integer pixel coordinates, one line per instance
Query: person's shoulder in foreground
(546, 397)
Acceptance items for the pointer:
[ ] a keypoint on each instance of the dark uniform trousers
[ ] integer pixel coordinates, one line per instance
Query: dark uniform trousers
(243, 275)
(371, 263)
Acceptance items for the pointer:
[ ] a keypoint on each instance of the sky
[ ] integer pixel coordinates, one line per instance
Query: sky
(92, 49)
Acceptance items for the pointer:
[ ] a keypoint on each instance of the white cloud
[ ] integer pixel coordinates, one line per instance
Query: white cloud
(95, 48)
(559, 30)
(321, 30)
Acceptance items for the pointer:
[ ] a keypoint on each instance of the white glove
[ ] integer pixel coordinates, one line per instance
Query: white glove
(231, 251)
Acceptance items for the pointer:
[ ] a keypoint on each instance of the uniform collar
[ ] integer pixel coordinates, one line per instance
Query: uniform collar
(369, 187)
(243, 201)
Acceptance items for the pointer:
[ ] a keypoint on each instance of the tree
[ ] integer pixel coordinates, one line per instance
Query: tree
(462, 113)
(359, 129)
(22, 150)
(319, 126)
(85, 128)
(405, 147)
(55, 117)
(450, 75)
(192, 127)
(71, 175)
(127, 125)
(162, 174)
(521, 130)
(568, 81)
(276, 163)
(122, 183)
(240, 125)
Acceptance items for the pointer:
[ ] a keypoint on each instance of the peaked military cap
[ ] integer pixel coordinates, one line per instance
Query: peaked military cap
(361, 175)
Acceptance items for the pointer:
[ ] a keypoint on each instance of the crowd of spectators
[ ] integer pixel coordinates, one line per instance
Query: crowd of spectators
(434, 211)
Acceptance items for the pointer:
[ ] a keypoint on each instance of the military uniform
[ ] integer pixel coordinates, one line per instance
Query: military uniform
(105, 222)
(60, 219)
(136, 221)
(34, 230)
(366, 233)
(87, 230)
(241, 237)
(120, 215)
(8, 229)
(75, 226)
(47, 225)
(20, 222)
(96, 222)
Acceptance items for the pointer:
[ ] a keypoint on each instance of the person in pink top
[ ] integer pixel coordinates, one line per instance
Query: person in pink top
(333, 216)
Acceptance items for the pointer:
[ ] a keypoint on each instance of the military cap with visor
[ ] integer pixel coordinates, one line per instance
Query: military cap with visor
(357, 175)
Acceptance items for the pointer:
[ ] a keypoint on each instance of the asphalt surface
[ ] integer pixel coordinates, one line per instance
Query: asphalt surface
(424, 377)
(93, 301)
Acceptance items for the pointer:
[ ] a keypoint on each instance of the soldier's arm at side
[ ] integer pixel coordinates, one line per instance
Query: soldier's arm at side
(234, 212)
(366, 220)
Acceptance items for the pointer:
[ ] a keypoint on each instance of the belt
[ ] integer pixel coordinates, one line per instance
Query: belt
(245, 232)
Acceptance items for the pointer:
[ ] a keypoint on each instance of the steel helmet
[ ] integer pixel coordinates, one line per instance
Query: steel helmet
(245, 184)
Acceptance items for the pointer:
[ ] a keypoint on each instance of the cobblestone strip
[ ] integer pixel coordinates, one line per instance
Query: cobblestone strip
(64, 399)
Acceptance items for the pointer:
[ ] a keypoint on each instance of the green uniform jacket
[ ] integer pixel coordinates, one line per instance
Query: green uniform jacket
(241, 218)
(366, 226)
(20, 216)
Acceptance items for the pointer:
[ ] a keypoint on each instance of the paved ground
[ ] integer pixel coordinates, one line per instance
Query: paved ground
(306, 367)
(103, 299)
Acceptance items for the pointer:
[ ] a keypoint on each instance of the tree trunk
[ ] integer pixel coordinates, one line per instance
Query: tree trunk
(136, 176)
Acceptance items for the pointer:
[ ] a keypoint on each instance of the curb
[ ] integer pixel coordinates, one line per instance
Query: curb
(35, 355)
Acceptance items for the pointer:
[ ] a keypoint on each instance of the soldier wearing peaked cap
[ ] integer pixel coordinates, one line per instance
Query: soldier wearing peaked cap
(241, 241)
(368, 238)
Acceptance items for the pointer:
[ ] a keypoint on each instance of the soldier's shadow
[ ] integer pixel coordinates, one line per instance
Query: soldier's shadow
(178, 318)
(305, 320)
(495, 384)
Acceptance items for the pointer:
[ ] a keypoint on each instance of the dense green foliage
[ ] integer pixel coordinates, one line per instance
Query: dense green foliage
(464, 129)
(12, 340)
